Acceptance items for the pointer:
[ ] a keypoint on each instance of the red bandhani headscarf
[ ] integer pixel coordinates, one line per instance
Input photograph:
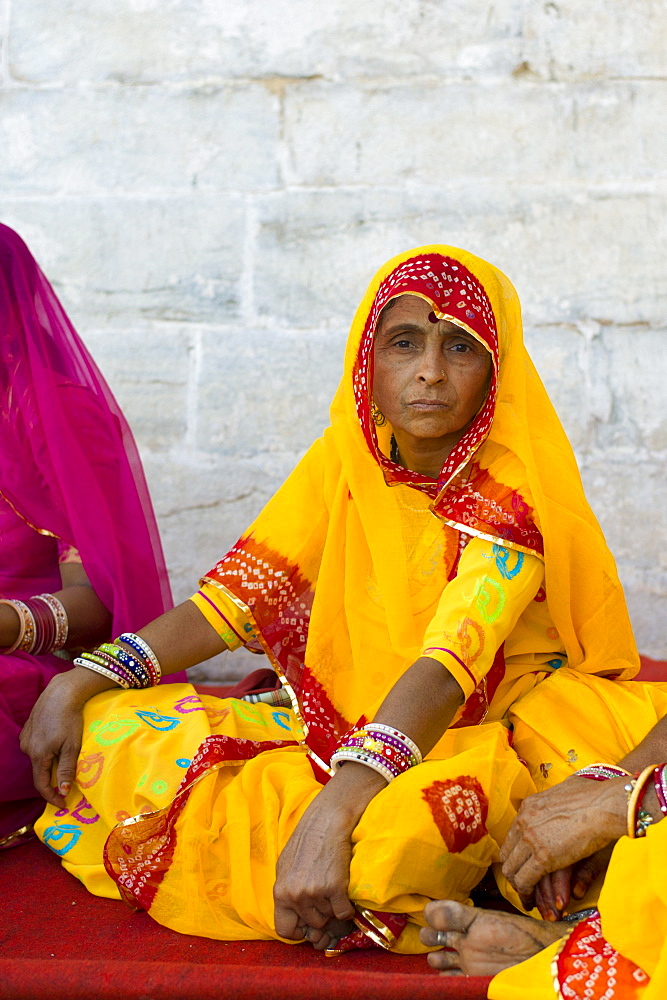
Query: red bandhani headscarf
(476, 502)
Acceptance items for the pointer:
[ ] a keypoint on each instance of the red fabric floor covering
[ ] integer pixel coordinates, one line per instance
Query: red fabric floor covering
(57, 942)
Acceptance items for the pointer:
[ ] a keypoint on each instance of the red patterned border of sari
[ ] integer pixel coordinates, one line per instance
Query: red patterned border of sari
(139, 852)
(481, 506)
(279, 599)
(587, 966)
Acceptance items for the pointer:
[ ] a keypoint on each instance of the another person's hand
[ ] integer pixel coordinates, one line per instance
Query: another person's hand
(557, 828)
(52, 734)
(313, 870)
(554, 892)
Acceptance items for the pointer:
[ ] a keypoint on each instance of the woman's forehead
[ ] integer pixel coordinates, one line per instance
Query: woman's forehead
(412, 308)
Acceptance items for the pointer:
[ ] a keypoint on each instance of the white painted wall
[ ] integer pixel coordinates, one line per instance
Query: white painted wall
(211, 183)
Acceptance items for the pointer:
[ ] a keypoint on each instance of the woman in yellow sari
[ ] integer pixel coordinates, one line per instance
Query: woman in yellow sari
(431, 560)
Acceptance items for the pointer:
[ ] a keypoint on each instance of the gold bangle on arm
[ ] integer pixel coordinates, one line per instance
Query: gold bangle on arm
(638, 819)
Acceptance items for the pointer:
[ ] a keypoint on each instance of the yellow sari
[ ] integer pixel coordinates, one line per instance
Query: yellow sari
(343, 581)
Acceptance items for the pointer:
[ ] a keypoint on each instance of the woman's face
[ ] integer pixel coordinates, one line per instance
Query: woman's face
(430, 378)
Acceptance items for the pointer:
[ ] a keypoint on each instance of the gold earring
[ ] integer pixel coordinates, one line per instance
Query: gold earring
(377, 415)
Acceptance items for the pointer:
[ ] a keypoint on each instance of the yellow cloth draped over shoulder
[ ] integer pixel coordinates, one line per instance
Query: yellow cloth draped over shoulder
(352, 571)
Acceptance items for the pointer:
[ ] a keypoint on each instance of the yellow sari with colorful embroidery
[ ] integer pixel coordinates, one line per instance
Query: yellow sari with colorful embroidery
(353, 570)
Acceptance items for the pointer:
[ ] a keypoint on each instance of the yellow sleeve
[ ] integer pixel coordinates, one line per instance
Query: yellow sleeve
(224, 616)
(479, 609)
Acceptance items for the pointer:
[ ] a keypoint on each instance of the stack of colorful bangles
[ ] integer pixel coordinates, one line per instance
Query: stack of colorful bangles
(138, 669)
(639, 819)
(43, 625)
(388, 751)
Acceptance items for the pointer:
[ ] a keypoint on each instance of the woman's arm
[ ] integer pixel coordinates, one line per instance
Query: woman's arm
(88, 620)
(313, 870)
(492, 588)
(52, 735)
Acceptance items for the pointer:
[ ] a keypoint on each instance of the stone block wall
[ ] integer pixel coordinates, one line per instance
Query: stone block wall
(211, 183)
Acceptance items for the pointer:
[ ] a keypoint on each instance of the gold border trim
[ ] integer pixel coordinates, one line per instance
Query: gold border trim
(40, 531)
(503, 542)
(296, 708)
(554, 963)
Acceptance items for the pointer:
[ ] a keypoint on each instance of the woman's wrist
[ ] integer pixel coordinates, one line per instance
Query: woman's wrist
(10, 625)
(83, 684)
(350, 790)
(611, 806)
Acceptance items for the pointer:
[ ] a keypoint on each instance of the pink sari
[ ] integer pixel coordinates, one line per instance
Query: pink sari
(70, 475)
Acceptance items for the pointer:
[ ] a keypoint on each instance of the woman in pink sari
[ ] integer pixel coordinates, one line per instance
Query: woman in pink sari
(80, 554)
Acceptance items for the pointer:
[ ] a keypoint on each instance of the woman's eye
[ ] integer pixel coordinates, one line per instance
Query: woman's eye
(461, 348)
(402, 343)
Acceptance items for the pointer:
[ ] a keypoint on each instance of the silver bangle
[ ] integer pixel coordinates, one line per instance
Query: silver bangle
(98, 669)
(360, 758)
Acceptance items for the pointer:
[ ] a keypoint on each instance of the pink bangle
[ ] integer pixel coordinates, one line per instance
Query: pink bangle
(660, 783)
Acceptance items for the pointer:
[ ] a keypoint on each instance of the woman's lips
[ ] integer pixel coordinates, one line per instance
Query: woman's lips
(427, 404)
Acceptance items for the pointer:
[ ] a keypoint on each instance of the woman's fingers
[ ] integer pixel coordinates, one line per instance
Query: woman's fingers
(288, 923)
(560, 881)
(586, 872)
(66, 771)
(515, 860)
(552, 894)
(341, 905)
(42, 768)
(511, 840)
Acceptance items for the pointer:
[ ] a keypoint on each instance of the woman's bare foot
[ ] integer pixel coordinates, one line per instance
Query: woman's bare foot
(482, 942)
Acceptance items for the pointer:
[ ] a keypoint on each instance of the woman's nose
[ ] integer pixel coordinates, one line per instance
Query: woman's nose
(431, 369)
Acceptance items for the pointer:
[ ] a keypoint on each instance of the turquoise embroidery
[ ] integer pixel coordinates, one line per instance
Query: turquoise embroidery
(281, 719)
(53, 834)
(555, 663)
(183, 762)
(502, 559)
(163, 723)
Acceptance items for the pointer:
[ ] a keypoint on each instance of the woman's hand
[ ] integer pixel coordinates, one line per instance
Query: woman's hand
(313, 871)
(52, 734)
(561, 826)
(553, 892)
